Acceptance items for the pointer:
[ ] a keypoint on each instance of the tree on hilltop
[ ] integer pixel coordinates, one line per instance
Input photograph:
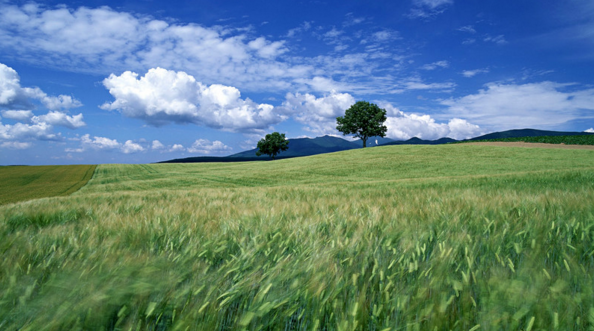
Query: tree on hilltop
(364, 120)
(272, 144)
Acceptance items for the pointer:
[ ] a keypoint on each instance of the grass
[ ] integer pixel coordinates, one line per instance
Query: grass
(20, 183)
(451, 237)
(567, 140)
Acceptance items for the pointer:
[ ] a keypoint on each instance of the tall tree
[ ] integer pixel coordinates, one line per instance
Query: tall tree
(272, 144)
(364, 120)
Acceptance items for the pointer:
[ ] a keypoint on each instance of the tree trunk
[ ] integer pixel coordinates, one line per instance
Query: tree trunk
(364, 141)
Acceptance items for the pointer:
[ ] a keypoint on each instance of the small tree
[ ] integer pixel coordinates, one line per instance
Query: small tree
(364, 120)
(272, 144)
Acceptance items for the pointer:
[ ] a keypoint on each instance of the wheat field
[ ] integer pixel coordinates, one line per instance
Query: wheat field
(447, 237)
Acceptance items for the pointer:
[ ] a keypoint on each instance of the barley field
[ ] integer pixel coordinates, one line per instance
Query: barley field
(450, 237)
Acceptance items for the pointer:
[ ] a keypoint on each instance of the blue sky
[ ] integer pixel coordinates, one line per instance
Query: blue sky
(144, 81)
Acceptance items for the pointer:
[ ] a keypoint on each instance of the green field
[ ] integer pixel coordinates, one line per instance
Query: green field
(449, 237)
(20, 183)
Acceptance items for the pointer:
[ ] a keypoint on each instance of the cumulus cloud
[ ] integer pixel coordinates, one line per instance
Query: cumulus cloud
(23, 131)
(501, 106)
(19, 115)
(20, 102)
(131, 147)
(14, 96)
(435, 65)
(100, 142)
(318, 114)
(402, 126)
(157, 145)
(177, 148)
(164, 96)
(205, 146)
(590, 130)
(472, 73)
(55, 118)
(106, 144)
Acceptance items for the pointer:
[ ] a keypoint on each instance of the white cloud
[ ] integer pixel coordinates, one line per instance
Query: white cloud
(163, 96)
(435, 65)
(131, 147)
(318, 114)
(386, 35)
(55, 118)
(432, 4)
(402, 126)
(36, 128)
(30, 127)
(333, 33)
(428, 8)
(157, 145)
(15, 145)
(99, 142)
(104, 40)
(472, 73)
(305, 26)
(204, 146)
(414, 83)
(590, 130)
(19, 115)
(22, 131)
(106, 144)
(177, 148)
(505, 106)
(267, 49)
(499, 40)
(12, 95)
(352, 20)
(467, 28)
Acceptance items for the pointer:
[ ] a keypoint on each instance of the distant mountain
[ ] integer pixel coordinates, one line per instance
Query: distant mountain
(305, 147)
(525, 133)
(417, 141)
(373, 141)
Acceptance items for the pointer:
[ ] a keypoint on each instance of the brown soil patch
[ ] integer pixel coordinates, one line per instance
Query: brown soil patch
(531, 145)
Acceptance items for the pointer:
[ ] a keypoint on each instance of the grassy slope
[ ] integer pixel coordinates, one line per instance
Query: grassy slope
(20, 183)
(420, 237)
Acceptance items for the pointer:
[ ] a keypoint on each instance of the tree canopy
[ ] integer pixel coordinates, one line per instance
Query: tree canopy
(364, 120)
(272, 144)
